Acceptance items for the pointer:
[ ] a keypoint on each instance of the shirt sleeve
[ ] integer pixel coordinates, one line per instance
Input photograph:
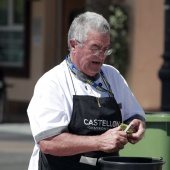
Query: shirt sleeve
(47, 114)
(130, 108)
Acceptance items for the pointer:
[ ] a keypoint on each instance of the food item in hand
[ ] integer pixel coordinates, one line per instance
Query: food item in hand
(124, 126)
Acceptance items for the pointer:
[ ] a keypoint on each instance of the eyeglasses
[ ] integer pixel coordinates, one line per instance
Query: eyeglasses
(97, 51)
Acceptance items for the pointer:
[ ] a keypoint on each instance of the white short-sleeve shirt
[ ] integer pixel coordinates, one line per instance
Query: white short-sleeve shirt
(50, 108)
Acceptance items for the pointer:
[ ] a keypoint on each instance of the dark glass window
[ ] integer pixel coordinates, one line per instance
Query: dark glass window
(14, 39)
(18, 11)
(3, 12)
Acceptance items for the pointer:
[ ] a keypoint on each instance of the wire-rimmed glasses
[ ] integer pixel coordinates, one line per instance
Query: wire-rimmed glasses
(97, 51)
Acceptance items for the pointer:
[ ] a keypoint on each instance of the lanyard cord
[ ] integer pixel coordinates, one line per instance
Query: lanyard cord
(92, 83)
(107, 84)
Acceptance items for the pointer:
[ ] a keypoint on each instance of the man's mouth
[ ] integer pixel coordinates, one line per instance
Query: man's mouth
(95, 62)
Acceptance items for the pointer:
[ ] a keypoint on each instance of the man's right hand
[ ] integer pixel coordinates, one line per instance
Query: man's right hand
(112, 140)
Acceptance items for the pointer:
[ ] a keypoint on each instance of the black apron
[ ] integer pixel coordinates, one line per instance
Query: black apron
(91, 116)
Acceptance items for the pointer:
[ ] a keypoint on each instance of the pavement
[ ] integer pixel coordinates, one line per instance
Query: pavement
(16, 145)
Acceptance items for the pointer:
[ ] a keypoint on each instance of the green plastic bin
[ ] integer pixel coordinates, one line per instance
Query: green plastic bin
(156, 141)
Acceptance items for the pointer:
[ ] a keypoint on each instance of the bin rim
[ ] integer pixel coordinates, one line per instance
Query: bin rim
(159, 161)
(157, 116)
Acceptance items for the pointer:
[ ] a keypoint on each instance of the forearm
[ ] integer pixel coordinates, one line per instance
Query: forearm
(67, 144)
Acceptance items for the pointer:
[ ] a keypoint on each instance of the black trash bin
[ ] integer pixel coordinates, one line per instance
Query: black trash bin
(130, 163)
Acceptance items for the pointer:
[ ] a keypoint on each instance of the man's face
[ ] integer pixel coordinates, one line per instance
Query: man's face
(82, 55)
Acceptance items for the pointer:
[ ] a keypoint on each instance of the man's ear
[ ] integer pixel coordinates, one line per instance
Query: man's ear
(72, 44)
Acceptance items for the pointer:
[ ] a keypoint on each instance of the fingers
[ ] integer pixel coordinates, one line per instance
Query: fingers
(139, 128)
(113, 140)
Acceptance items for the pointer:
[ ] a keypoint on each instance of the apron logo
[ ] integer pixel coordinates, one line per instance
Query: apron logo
(98, 124)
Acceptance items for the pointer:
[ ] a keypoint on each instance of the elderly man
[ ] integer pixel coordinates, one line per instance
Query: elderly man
(78, 106)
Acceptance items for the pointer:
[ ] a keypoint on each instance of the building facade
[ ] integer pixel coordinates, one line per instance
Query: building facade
(47, 41)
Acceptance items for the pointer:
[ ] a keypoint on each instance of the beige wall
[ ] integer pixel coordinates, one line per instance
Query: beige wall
(146, 51)
(146, 45)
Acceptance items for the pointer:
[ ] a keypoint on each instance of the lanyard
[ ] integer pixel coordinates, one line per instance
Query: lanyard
(74, 69)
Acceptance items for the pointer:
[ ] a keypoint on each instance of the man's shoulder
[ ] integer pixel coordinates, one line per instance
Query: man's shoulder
(56, 71)
(108, 69)
(56, 74)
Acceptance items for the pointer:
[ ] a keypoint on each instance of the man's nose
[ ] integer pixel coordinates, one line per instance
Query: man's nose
(102, 54)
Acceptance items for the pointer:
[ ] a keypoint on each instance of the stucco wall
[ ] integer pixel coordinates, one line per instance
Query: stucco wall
(147, 30)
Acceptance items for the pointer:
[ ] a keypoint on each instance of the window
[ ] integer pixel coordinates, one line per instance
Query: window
(14, 37)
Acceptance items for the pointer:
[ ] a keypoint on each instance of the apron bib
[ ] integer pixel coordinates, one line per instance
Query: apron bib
(91, 116)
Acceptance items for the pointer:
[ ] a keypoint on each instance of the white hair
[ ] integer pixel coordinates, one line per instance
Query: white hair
(86, 22)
